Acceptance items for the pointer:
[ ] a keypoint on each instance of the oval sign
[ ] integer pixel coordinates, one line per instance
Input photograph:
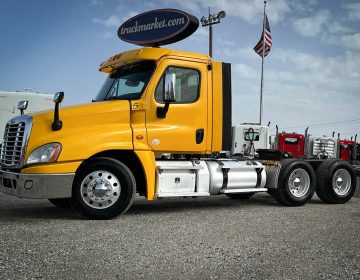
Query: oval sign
(158, 27)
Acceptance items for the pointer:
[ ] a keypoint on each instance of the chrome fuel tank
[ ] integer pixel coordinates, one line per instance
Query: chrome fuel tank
(231, 175)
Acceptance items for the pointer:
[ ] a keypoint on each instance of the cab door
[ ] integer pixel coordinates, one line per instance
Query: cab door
(184, 129)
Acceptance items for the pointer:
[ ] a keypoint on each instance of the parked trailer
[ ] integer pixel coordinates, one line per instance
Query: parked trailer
(9, 101)
(160, 126)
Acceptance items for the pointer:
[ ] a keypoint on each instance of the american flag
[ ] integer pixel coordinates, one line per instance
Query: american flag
(268, 41)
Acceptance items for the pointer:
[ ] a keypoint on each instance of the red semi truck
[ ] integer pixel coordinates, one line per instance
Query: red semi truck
(307, 146)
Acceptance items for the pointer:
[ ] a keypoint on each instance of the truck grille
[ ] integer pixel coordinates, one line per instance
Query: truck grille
(15, 141)
(325, 146)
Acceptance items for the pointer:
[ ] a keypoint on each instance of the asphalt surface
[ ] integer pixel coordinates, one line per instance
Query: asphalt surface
(204, 238)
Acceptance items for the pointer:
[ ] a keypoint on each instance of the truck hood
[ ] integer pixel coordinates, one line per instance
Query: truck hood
(87, 129)
(82, 109)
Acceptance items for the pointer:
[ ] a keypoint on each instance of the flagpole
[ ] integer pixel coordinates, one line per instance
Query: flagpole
(262, 68)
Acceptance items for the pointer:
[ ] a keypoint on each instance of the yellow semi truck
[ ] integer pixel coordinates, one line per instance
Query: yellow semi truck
(160, 126)
(157, 127)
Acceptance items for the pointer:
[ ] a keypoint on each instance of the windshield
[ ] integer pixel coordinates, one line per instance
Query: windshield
(127, 82)
(252, 135)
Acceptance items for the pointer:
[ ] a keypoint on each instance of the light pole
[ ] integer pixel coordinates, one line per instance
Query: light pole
(209, 21)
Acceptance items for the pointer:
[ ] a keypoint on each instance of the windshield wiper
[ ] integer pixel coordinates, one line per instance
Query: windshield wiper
(114, 98)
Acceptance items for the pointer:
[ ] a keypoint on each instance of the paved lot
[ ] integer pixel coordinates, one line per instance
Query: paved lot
(207, 238)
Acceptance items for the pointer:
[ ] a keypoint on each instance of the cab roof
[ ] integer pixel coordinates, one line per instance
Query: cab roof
(146, 54)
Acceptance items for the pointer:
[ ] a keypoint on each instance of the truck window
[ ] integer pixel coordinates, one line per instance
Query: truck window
(291, 140)
(254, 136)
(187, 85)
(127, 82)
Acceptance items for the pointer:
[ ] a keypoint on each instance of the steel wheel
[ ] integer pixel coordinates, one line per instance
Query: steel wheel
(100, 189)
(296, 183)
(337, 181)
(341, 182)
(299, 182)
(103, 188)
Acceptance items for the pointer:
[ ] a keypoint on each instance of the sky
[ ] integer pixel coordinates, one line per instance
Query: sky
(311, 75)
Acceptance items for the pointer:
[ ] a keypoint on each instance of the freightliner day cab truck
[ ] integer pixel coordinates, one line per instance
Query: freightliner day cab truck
(160, 126)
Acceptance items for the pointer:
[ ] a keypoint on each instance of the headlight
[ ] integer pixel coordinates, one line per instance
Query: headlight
(47, 153)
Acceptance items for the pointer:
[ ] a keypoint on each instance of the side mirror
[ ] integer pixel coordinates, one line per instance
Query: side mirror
(169, 94)
(57, 123)
(169, 87)
(58, 97)
(22, 106)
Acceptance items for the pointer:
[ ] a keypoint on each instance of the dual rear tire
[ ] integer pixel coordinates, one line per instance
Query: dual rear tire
(337, 181)
(334, 182)
(296, 183)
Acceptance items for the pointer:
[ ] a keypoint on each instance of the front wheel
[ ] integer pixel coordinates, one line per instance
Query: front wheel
(103, 188)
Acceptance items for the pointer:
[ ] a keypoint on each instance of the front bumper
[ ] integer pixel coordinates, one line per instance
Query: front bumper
(36, 185)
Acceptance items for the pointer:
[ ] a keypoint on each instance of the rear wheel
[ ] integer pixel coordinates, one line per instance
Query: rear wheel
(240, 195)
(336, 181)
(103, 189)
(296, 183)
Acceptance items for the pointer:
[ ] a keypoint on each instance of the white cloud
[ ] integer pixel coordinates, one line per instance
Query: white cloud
(243, 53)
(244, 71)
(112, 21)
(189, 5)
(337, 76)
(351, 41)
(353, 11)
(311, 26)
(249, 10)
(108, 35)
(336, 27)
(96, 2)
(323, 87)
(225, 42)
(321, 23)
(302, 6)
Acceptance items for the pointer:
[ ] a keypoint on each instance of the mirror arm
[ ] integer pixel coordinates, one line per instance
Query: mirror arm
(162, 111)
(57, 124)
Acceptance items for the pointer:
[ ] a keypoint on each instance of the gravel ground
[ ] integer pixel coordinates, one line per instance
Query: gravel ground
(204, 238)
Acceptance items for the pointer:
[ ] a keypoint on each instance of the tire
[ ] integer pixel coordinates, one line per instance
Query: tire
(336, 181)
(240, 195)
(296, 183)
(61, 202)
(103, 189)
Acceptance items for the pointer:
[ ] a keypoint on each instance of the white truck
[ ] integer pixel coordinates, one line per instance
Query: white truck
(9, 101)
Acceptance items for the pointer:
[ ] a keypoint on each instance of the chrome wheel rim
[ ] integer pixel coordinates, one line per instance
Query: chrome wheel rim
(100, 189)
(341, 182)
(299, 182)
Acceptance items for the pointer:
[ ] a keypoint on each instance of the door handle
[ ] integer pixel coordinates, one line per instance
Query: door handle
(199, 135)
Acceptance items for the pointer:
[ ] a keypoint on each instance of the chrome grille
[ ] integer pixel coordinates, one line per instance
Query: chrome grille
(15, 141)
(325, 146)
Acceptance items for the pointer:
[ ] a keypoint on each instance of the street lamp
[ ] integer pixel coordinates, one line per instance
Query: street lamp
(209, 21)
